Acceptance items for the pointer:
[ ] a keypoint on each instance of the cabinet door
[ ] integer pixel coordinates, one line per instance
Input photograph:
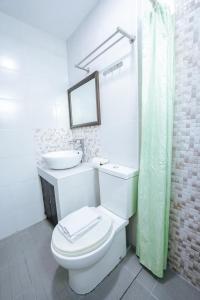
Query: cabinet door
(54, 218)
(49, 201)
(46, 200)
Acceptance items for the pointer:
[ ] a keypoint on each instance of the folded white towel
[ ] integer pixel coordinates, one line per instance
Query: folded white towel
(78, 222)
(78, 235)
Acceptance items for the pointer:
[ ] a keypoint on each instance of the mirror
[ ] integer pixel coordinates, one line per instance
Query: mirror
(84, 102)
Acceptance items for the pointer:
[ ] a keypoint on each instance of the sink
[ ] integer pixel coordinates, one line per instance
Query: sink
(60, 160)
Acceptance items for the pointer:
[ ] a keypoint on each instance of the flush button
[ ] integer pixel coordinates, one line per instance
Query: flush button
(115, 167)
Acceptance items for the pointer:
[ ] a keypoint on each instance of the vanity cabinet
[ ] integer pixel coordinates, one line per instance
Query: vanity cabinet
(49, 201)
(65, 191)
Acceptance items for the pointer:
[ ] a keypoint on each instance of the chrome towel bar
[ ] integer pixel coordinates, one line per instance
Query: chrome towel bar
(84, 63)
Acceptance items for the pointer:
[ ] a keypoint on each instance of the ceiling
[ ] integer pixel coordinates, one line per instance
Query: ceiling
(57, 17)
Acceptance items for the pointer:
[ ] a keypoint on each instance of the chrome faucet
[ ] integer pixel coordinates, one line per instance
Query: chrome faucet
(78, 144)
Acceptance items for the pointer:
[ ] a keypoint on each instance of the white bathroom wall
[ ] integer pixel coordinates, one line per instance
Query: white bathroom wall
(33, 82)
(118, 91)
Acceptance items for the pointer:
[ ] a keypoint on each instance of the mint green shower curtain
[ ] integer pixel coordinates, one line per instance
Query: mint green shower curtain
(156, 136)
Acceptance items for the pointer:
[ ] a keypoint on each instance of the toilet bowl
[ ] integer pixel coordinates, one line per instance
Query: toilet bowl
(87, 267)
(95, 254)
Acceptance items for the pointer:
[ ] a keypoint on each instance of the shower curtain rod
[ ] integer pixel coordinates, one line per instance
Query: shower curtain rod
(82, 65)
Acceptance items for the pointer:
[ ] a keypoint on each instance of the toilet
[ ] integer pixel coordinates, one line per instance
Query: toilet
(95, 254)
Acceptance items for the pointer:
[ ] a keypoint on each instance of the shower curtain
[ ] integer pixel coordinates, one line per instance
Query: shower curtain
(156, 136)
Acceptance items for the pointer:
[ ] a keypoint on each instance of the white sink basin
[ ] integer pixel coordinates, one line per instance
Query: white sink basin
(59, 160)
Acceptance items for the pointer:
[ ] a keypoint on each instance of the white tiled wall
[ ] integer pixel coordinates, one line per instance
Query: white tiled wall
(33, 83)
(118, 133)
(33, 104)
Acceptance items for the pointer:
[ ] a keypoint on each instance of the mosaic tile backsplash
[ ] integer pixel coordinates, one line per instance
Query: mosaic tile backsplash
(51, 139)
(184, 244)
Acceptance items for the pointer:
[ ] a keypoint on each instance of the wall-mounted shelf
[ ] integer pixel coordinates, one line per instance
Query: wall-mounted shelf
(93, 55)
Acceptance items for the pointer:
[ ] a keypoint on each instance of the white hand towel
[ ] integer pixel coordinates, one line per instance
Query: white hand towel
(78, 235)
(78, 221)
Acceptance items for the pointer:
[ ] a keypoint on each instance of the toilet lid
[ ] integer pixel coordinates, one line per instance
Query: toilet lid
(90, 241)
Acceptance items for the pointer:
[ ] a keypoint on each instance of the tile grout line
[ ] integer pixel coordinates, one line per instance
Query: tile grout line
(151, 293)
(130, 284)
(150, 290)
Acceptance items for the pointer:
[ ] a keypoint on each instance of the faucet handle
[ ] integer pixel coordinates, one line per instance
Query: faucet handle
(81, 143)
(71, 142)
(77, 143)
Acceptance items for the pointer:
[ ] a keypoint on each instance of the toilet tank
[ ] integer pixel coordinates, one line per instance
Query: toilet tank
(118, 189)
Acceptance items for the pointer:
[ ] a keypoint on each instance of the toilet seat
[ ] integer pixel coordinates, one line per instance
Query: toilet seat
(88, 242)
(91, 256)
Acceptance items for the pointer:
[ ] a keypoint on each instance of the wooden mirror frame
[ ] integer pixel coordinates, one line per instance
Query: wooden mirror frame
(95, 76)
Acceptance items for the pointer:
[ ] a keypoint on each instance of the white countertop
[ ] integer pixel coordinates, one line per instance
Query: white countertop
(54, 175)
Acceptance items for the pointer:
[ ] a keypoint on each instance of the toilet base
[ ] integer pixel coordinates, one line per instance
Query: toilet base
(83, 281)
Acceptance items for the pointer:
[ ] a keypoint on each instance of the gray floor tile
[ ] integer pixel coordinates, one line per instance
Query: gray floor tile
(11, 250)
(30, 295)
(38, 275)
(28, 271)
(19, 277)
(59, 280)
(41, 233)
(20, 297)
(173, 287)
(137, 292)
(56, 283)
(46, 275)
(28, 243)
(4, 256)
(131, 262)
(5, 290)
(68, 294)
(147, 280)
